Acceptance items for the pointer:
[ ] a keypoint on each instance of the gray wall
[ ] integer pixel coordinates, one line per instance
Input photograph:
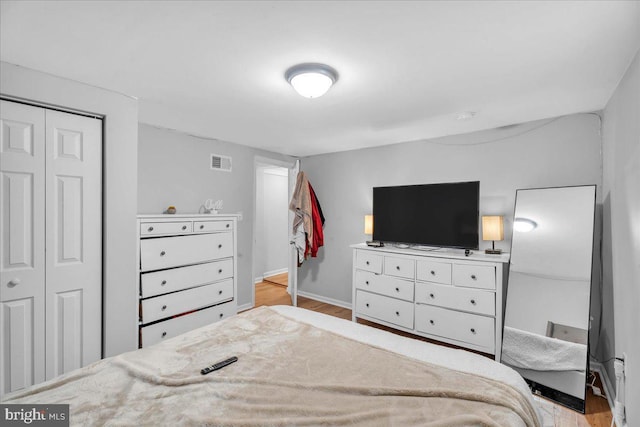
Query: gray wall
(173, 169)
(622, 232)
(120, 152)
(548, 153)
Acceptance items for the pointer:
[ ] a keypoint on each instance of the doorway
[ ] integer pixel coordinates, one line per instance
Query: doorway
(272, 219)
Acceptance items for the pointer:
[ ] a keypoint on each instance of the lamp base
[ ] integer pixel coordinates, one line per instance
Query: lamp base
(493, 251)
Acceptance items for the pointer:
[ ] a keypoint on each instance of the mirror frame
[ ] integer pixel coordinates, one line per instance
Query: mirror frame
(536, 387)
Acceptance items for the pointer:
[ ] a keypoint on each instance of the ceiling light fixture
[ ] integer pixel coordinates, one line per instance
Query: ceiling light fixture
(311, 80)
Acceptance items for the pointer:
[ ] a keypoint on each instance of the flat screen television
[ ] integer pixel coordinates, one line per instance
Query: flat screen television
(439, 215)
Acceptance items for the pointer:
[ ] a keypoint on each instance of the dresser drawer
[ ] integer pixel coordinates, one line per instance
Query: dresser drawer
(176, 279)
(170, 328)
(474, 276)
(159, 228)
(385, 285)
(434, 271)
(384, 308)
(369, 261)
(472, 300)
(190, 299)
(204, 226)
(166, 252)
(469, 328)
(400, 267)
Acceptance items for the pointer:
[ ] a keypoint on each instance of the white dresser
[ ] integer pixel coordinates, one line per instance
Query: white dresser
(187, 273)
(442, 295)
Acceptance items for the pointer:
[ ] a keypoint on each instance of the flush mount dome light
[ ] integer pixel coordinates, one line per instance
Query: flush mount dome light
(311, 80)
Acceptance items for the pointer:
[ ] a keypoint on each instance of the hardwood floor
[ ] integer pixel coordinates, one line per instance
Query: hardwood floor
(278, 279)
(597, 414)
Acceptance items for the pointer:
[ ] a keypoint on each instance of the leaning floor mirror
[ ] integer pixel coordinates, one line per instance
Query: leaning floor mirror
(546, 327)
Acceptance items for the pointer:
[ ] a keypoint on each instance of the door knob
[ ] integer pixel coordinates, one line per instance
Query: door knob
(14, 282)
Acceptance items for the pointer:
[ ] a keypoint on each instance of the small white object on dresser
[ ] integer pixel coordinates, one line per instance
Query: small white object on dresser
(438, 294)
(187, 273)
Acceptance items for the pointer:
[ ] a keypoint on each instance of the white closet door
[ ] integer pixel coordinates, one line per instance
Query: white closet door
(73, 242)
(22, 263)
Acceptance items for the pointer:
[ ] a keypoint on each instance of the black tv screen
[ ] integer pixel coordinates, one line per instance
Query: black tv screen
(440, 215)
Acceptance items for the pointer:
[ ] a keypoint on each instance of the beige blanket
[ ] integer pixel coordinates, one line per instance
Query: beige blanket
(288, 374)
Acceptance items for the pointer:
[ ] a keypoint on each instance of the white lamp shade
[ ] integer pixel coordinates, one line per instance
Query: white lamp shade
(492, 228)
(368, 224)
(311, 85)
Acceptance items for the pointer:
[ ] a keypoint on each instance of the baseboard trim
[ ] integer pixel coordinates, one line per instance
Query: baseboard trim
(325, 300)
(610, 390)
(258, 280)
(274, 272)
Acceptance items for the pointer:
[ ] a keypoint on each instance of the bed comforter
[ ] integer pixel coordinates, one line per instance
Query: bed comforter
(288, 373)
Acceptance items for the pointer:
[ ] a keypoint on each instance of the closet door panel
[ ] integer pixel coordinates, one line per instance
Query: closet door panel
(73, 240)
(17, 334)
(22, 261)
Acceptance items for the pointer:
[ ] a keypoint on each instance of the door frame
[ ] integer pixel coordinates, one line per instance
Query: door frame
(261, 162)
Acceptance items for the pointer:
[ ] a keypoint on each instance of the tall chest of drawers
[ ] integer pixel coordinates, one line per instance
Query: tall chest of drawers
(187, 269)
(441, 295)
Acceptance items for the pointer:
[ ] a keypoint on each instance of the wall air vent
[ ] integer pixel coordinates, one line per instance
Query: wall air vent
(221, 163)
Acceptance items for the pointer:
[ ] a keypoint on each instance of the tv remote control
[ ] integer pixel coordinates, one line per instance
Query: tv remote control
(218, 365)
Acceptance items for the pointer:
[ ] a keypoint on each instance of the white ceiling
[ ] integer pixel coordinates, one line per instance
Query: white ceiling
(216, 69)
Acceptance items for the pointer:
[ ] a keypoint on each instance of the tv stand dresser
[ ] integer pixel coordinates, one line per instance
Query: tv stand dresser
(438, 294)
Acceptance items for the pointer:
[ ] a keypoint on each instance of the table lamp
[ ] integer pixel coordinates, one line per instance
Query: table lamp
(492, 229)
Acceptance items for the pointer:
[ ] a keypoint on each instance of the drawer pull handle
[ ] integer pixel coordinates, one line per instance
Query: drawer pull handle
(366, 283)
(367, 262)
(473, 302)
(220, 271)
(184, 227)
(163, 253)
(164, 307)
(228, 225)
(473, 276)
(150, 229)
(220, 246)
(221, 315)
(432, 296)
(398, 267)
(14, 282)
(397, 313)
(164, 282)
(473, 331)
(201, 226)
(367, 304)
(433, 273)
(432, 322)
(397, 289)
(164, 334)
(220, 292)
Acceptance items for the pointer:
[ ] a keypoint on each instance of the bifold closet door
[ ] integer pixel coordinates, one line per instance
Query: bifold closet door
(22, 268)
(73, 241)
(51, 261)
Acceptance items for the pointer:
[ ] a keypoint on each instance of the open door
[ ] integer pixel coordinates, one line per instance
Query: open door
(292, 261)
(292, 283)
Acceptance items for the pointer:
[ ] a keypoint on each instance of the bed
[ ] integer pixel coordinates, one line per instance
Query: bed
(295, 367)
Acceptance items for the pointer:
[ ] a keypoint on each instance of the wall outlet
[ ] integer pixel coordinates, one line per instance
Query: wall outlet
(239, 216)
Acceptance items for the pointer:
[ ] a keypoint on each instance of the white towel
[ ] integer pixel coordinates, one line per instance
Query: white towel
(522, 349)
